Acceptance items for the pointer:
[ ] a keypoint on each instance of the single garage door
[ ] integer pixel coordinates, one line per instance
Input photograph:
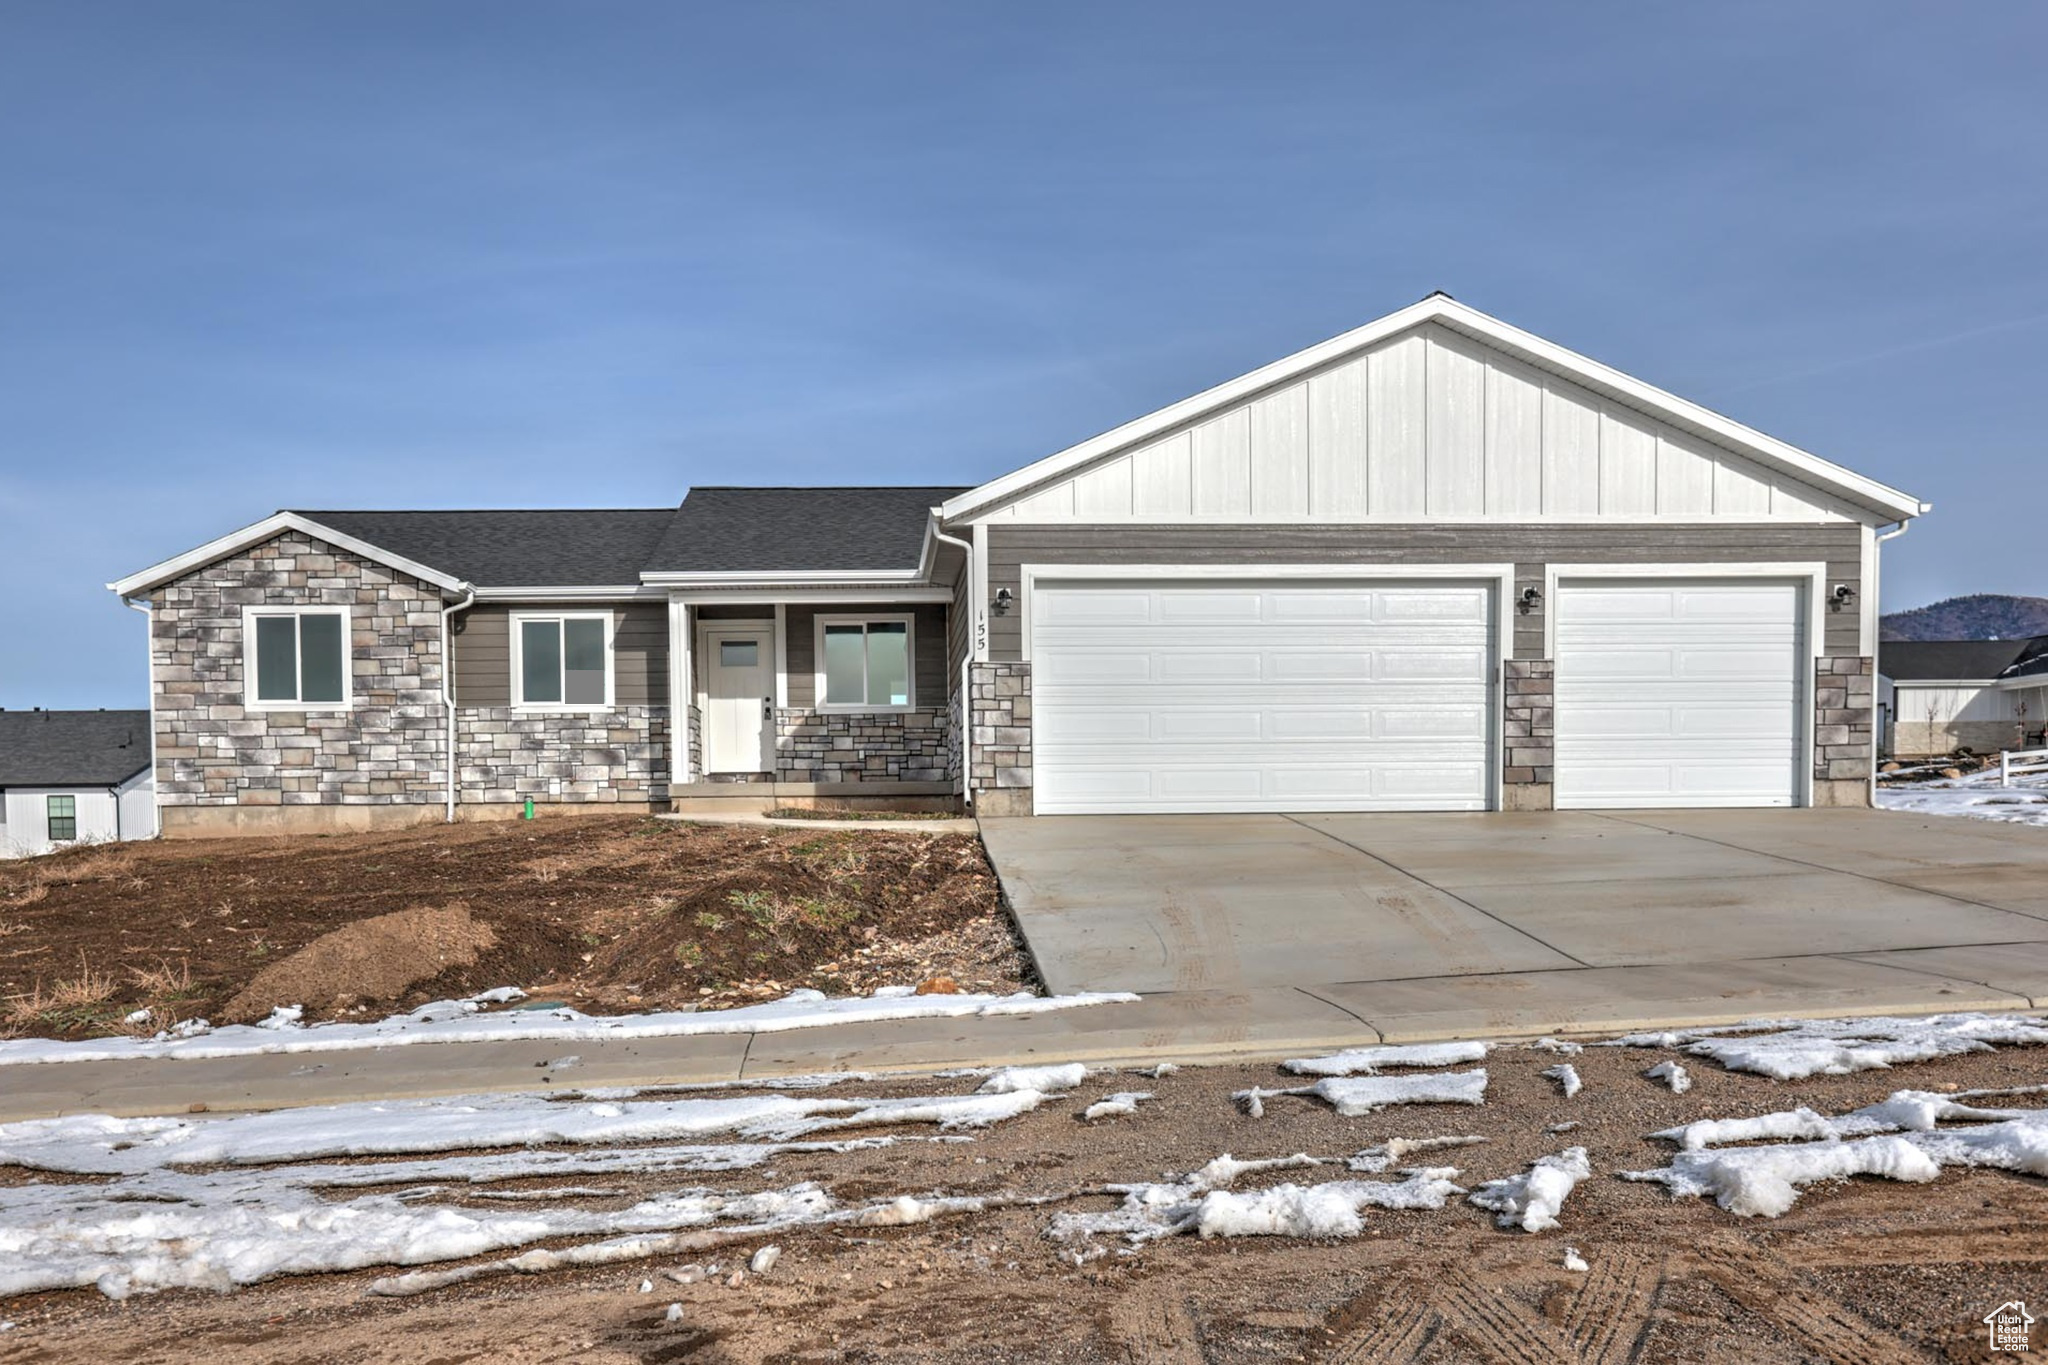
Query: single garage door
(1261, 696)
(1680, 693)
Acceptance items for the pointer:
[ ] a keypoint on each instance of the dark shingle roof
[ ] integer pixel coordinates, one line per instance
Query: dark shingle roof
(1961, 660)
(72, 748)
(797, 530)
(517, 549)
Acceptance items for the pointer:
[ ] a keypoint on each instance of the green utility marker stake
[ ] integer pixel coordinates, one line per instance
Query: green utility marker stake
(529, 808)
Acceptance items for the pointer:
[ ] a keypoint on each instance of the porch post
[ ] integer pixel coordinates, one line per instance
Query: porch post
(681, 698)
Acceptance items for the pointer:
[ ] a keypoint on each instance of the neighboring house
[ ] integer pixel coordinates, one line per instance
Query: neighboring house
(71, 777)
(1436, 563)
(1944, 695)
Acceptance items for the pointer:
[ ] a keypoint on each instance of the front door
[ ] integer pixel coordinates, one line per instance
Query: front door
(739, 699)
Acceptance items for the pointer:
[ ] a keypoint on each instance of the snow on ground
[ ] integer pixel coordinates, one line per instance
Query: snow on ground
(1367, 1061)
(1198, 1204)
(158, 1224)
(1044, 1079)
(1788, 1050)
(1122, 1104)
(1673, 1075)
(1531, 1201)
(1352, 1096)
(1978, 796)
(463, 1021)
(1393, 1151)
(1567, 1077)
(1765, 1181)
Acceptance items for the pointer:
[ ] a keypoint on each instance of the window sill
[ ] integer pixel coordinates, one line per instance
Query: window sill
(547, 708)
(309, 707)
(848, 710)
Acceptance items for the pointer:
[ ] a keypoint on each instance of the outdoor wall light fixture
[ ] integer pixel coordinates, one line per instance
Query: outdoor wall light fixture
(1002, 602)
(1841, 597)
(1530, 599)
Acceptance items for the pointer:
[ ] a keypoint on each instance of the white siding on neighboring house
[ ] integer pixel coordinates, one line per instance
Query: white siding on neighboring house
(1429, 425)
(1944, 704)
(103, 815)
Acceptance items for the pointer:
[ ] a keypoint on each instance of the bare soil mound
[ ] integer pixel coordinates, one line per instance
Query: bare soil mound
(374, 959)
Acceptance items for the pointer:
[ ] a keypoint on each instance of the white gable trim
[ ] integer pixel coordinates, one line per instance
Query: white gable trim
(1773, 454)
(271, 526)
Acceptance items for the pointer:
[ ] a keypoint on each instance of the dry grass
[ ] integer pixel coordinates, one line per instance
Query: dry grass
(70, 1002)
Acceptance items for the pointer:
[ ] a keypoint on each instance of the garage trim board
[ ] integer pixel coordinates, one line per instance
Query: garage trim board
(1706, 694)
(1412, 664)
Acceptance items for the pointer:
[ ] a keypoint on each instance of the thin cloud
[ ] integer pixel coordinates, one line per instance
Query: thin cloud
(1870, 357)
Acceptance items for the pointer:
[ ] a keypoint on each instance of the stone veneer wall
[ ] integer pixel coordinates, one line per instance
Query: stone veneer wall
(861, 746)
(386, 749)
(1528, 777)
(954, 734)
(1002, 738)
(507, 755)
(1844, 725)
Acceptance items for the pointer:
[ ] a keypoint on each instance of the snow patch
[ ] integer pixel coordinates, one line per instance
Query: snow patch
(1567, 1078)
(1531, 1201)
(1352, 1096)
(1044, 1079)
(1197, 1206)
(1790, 1050)
(1367, 1061)
(1393, 1151)
(1120, 1105)
(1673, 1075)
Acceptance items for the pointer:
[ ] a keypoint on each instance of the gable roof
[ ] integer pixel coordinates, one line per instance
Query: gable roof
(582, 547)
(1962, 660)
(767, 532)
(256, 532)
(72, 748)
(1441, 309)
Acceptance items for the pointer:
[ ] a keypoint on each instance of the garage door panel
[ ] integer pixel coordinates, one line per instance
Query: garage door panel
(1293, 696)
(1679, 695)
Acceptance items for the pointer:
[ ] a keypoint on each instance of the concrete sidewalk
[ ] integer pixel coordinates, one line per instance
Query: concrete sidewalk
(1182, 1026)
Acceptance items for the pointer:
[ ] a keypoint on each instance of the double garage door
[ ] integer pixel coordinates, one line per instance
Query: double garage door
(1307, 695)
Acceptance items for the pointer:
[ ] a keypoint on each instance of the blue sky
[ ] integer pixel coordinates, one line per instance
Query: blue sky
(515, 254)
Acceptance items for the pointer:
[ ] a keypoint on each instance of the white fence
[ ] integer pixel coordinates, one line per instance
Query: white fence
(2016, 761)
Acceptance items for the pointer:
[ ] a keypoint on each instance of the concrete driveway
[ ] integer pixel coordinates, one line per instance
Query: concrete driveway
(1441, 924)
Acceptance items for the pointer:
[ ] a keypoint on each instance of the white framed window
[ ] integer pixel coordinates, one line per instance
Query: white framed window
(562, 660)
(296, 659)
(61, 814)
(865, 663)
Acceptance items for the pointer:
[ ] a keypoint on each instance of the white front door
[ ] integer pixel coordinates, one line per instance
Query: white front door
(1262, 695)
(739, 699)
(1680, 692)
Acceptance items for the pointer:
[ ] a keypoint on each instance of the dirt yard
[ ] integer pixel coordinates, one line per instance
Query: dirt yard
(1866, 1270)
(608, 913)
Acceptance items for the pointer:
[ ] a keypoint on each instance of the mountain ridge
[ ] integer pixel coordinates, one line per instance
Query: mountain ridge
(1973, 616)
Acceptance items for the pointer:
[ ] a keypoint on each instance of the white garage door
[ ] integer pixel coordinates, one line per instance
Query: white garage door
(1261, 696)
(1680, 693)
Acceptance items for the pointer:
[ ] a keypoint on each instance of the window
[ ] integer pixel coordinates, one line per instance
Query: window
(63, 815)
(864, 663)
(562, 660)
(295, 657)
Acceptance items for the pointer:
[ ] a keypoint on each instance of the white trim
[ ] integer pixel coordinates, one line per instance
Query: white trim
(271, 526)
(1815, 627)
(781, 657)
(1028, 575)
(759, 578)
(1439, 308)
(882, 594)
(2020, 683)
(637, 592)
(682, 692)
(1815, 572)
(348, 658)
(822, 620)
(516, 621)
(977, 602)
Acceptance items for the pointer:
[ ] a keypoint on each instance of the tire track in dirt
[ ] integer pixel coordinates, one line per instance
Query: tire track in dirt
(1608, 1319)
(1156, 1330)
(1501, 1329)
(1399, 1329)
(1775, 1291)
